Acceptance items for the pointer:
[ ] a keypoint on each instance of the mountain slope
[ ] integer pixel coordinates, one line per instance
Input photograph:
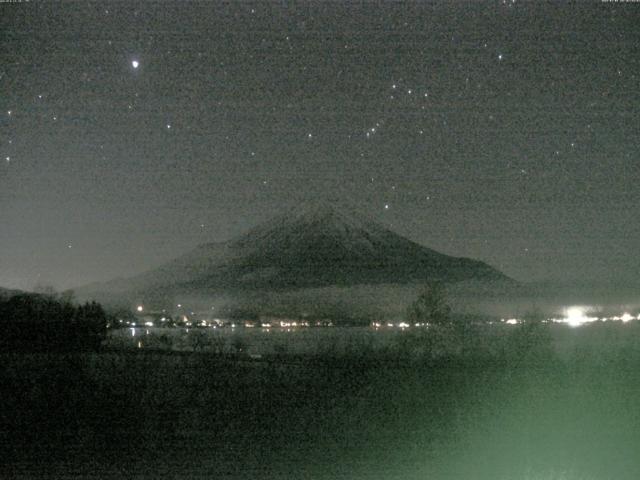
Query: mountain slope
(313, 248)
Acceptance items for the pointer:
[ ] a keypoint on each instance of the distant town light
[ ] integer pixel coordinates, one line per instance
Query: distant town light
(576, 316)
(626, 317)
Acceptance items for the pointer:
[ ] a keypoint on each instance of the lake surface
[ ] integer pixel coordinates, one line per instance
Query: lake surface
(335, 341)
(571, 413)
(259, 341)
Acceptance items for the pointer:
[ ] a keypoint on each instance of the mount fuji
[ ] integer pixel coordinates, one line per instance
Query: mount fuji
(303, 249)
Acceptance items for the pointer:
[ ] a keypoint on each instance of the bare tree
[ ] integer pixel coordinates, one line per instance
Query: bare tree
(431, 306)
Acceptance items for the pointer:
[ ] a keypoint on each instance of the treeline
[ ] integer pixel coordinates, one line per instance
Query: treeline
(50, 323)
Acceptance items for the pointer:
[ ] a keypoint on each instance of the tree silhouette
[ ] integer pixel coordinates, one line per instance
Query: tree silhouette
(431, 306)
(37, 322)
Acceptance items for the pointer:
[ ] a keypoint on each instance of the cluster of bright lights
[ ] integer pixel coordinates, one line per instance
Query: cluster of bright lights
(401, 325)
(574, 316)
(577, 316)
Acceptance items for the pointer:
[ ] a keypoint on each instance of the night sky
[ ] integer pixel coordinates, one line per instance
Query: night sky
(503, 131)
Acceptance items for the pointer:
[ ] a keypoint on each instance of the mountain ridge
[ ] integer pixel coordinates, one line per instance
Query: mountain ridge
(305, 248)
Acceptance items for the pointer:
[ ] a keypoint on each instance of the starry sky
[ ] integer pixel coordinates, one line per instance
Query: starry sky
(131, 132)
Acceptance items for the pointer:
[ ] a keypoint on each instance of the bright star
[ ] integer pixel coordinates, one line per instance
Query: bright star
(135, 64)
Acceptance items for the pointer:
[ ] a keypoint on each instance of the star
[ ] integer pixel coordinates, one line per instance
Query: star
(500, 56)
(168, 126)
(135, 64)
(8, 159)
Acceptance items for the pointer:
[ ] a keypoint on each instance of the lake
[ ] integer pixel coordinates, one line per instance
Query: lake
(527, 412)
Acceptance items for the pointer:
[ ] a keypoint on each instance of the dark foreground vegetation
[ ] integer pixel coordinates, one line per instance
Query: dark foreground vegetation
(50, 323)
(545, 405)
